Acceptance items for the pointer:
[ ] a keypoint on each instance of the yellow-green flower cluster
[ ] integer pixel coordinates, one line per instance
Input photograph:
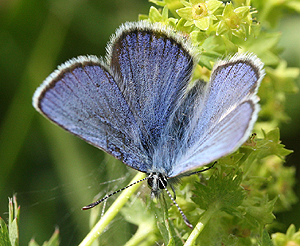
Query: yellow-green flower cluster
(200, 13)
(235, 21)
(209, 16)
(292, 237)
(211, 24)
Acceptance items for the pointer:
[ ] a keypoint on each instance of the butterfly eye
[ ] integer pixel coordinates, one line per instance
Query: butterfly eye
(150, 182)
(162, 181)
(157, 181)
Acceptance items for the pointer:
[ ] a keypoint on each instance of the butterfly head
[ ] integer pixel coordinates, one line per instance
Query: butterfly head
(157, 182)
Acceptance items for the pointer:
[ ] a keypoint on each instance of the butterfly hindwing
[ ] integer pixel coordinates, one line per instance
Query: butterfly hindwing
(222, 120)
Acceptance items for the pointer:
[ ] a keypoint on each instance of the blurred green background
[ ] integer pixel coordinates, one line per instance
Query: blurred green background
(53, 173)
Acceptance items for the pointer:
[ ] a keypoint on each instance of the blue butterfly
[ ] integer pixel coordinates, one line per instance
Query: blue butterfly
(139, 104)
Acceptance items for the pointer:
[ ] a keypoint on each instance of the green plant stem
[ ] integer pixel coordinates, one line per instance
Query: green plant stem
(142, 233)
(199, 227)
(112, 211)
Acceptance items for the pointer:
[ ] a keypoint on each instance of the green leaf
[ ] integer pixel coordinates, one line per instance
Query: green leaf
(259, 211)
(266, 240)
(14, 212)
(137, 213)
(222, 192)
(54, 240)
(263, 46)
(14, 233)
(272, 145)
(4, 237)
(33, 243)
(165, 225)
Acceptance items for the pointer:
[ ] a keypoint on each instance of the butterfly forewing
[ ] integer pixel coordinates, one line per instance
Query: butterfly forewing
(83, 98)
(153, 69)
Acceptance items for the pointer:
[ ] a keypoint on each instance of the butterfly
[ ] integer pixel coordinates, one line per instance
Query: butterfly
(140, 105)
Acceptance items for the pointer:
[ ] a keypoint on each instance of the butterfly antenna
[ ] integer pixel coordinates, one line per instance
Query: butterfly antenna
(203, 170)
(186, 221)
(111, 194)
